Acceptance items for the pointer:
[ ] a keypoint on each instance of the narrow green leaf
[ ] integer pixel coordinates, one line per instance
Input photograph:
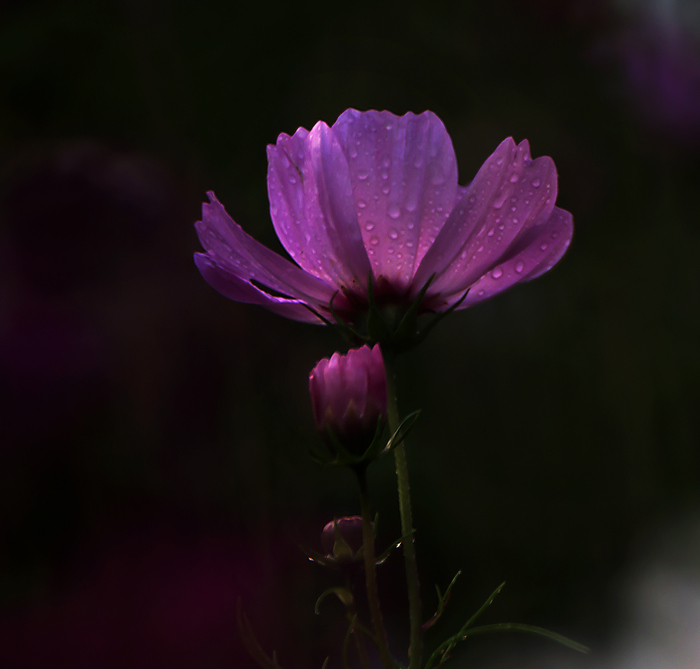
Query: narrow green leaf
(385, 554)
(442, 602)
(402, 431)
(518, 627)
(343, 594)
(442, 651)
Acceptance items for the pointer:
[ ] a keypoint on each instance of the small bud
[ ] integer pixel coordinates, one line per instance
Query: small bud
(349, 397)
(342, 538)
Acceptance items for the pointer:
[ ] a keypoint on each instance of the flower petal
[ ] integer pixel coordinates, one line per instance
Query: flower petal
(510, 193)
(404, 182)
(537, 251)
(240, 255)
(312, 208)
(240, 290)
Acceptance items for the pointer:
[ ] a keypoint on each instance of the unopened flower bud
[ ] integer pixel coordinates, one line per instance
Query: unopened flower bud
(342, 537)
(349, 397)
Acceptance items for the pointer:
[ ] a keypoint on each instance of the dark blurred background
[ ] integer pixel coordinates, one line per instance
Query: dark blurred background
(153, 435)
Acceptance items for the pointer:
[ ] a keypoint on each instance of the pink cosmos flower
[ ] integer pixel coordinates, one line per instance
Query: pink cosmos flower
(375, 198)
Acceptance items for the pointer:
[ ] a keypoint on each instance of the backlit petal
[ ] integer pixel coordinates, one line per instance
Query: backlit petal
(404, 182)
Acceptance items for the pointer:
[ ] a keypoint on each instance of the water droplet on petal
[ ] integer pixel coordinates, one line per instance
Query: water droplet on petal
(369, 226)
(393, 234)
(374, 241)
(490, 232)
(555, 235)
(497, 273)
(500, 200)
(536, 183)
(480, 293)
(385, 189)
(514, 178)
(543, 247)
(361, 204)
(362, 175)
(519, 266)
(394, 211)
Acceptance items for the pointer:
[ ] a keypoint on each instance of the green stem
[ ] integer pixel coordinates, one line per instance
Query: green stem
(371, 573)
(415, 648)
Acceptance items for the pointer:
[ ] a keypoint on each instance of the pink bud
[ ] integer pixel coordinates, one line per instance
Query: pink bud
(348, 394)
(350, 530)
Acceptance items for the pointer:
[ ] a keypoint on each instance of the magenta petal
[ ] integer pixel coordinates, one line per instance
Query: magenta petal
(332, 191)
(539, 250)
(240, 255)
(510, 193)
(240, 290)
(404, 182)
(312, 208)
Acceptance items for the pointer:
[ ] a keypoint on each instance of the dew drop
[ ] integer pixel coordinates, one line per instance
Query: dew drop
(385, 189)
(500, 200)
(411, 225)
(519, 266)
(393, 234)
(292, 180)
(536, 183)
(384, 174)
(394, 211)
(555, 235)
(361, 204)
(369, 226)
(480, 293)
(501, 227)
(438, 179)
(514, 178)
(480, 249)
(543, 247)
(362, 175)
(490, 232)
(497, 273)
(374, 241)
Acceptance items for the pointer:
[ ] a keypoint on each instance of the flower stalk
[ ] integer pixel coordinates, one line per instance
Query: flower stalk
(371, 571)
(415, 649)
